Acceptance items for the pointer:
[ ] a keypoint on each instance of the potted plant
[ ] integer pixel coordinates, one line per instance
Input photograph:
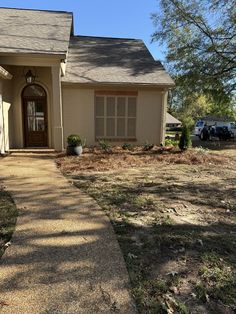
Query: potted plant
(74, 145)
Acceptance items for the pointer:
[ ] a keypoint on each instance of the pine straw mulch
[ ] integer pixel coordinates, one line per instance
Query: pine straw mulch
(94, 159)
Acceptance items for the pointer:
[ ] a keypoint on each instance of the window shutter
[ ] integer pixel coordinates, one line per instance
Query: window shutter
(131, 127)
(99, 107)
(99, 129)
(132, 107)
(115, 116)
(121, 127)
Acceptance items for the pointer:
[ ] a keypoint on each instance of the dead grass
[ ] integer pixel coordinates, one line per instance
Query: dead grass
(174, 216)
(8, 216)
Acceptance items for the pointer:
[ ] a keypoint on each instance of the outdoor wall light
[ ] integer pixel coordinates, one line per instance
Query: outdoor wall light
(30, 76)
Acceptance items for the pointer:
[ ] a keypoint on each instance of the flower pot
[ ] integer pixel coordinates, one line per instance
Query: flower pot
(78, 150)
(74, 150)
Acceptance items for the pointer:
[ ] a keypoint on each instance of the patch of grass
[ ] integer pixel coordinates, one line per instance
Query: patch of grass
(218, 278)
(182, 308)
(201, 292)
(8, 217)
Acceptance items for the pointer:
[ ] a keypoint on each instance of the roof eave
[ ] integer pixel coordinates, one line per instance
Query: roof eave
(61, 55)
(162, 85)
(5, 74)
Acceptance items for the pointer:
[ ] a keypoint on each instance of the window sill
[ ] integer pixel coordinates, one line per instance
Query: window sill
(118, 139)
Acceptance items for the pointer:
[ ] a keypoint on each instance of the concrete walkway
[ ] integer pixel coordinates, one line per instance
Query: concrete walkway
(64, 256)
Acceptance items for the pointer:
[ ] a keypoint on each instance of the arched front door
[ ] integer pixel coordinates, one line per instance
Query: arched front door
(34, 100)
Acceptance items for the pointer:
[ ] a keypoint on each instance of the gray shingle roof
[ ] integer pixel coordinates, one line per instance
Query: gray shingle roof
(32, 31)
(113, 60)
(171, 119)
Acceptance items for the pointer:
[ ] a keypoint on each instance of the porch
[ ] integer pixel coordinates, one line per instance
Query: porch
(30, 112)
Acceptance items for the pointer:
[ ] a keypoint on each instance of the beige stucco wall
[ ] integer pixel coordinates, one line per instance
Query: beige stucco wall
(149, 110)
(78, 114)
(14, 90)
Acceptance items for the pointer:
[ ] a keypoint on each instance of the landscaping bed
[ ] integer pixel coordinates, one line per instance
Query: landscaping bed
(174, 216)
(8, 217)
(95, 159)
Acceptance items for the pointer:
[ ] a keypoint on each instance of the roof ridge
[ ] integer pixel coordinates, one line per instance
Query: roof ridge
(38, 10)
(105, 37)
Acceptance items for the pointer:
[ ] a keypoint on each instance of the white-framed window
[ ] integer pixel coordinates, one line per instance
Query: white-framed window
(115, 117)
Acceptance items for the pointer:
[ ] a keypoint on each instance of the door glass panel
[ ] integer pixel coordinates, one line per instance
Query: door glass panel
(34, 91)
(30, 108)
(39, 110)
(31, 124)
(39, 124)
(35, 113)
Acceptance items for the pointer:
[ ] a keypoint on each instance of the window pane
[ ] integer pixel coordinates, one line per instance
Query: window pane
(121, 106)
(99, 130)
(121, 127)
(131, 127)
(111, 101)
(99, 111)
(34, 90)
(110, 127)
(131, 107)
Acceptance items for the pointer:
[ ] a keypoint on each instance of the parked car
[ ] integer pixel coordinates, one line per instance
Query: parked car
(201, 124)
(211, 132)
(223, 133)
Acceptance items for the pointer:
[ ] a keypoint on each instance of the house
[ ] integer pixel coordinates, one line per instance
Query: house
(172, 122)
(54, 83)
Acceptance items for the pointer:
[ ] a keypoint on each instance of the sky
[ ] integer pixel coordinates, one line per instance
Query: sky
(109, 18)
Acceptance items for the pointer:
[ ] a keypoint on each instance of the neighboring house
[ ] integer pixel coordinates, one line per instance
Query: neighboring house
(172, 122)
(53, 83)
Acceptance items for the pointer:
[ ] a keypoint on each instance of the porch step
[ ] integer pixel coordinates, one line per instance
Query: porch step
(32, 151)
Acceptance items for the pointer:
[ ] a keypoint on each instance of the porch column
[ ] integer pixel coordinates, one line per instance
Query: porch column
(57, 109)
(164, 95)
(2, 146)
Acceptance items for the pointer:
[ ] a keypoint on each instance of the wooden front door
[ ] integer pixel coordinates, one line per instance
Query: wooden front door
(35, 119)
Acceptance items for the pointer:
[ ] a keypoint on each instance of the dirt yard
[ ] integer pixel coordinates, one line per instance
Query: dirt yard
(174, 216)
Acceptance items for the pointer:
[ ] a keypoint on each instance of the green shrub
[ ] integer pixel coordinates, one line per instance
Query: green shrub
(147, 146)
(127, 146)
(185, 140)
(105, 146)
(74, 140)
(170, 142)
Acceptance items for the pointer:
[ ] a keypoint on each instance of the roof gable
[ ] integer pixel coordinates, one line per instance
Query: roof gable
(171, 119)
(113, 60)
(33, 31)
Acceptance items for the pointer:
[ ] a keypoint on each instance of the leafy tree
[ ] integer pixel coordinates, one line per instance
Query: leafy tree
(200, 36)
